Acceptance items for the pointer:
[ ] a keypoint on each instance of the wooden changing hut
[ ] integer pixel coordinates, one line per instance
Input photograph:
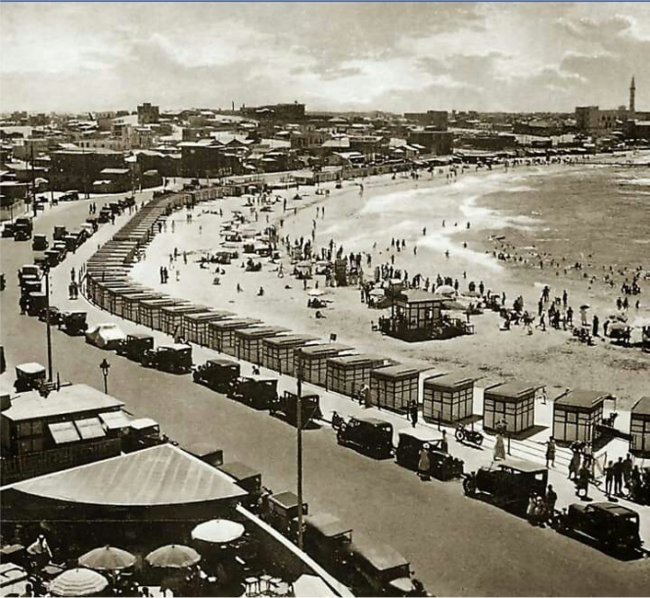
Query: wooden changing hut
(312, 360)
(512, 402)
(448, 398)
(131, 304)
(150, 311)
(414, 316)
(222, 333)
(640, 428)
(195, 325)
(278, 352)
(394, 387)
(576, 415)
(348, 374)
(249, 341)
(171, 317)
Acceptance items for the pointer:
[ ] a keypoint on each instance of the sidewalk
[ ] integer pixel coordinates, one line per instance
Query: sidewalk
(531, 449)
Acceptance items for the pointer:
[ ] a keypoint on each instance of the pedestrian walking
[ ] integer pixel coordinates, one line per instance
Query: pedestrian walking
(627, 471)
(413, 412)
(609, 478)
(582, 489)
(550, 452)
(499, 448)
(424, 463)
(550, 499)
(574, 465)
(618, 476)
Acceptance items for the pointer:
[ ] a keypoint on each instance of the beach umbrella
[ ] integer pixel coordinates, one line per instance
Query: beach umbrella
(173, 556)
(585, 306)
(445, 289)
(453, 306)
(78, 582)
(107, 558)
(218, 531)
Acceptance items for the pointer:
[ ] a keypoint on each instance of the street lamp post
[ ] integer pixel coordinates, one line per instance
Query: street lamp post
(48, 330)
(299, 451)
(104, 366)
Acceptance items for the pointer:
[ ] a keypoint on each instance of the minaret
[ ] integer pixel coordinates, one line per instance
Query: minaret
(632, 94)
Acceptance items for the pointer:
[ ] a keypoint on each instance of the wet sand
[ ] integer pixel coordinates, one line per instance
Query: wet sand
(401, 208)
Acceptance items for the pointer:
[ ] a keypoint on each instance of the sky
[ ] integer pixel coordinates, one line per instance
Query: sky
(398, 57)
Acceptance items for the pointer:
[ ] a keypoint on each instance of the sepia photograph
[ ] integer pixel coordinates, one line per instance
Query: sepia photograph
(324, 299)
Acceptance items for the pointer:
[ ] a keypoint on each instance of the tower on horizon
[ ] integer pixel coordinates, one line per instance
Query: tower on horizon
(632, 98)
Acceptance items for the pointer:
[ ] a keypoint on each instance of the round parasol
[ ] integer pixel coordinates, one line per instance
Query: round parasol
(107, 558)
(173, 556)
(78, 582)
(218, 531)
(585, 306)
(445, 289)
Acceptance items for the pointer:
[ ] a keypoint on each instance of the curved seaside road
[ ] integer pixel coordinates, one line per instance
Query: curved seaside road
(457, 546)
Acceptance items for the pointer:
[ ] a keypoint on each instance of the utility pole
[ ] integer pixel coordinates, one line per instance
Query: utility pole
(33, 182)
(299, 451)
(47, 324)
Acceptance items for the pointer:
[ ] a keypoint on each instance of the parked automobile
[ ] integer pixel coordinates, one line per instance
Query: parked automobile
(443, 466)
(143, 433)
(175, 358)
(59, 233)
(29, 376)
(371, 435)
(379, 570)
(40, 243)
(287, 405)
(36, 303)
(105, 336)
(281, 511)
(134, 346)
(23, 228)
(509, 483)
(327, 539)
(612, 525)
(8, 230)
(74, 322)
(247, 479)
(255, 391)
(55, 315)
(217, 374)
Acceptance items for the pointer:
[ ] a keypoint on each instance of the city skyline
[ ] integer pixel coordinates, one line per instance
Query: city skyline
(394, 57)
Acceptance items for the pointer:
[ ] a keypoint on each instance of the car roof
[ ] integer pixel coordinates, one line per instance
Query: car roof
(30, 367)
(175, 347)
(327, 524)
(521, 465)
(373, 421)
(222, 362)
(614, 509)
(140, 335)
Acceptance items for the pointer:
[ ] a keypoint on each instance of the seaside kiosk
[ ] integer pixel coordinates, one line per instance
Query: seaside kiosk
(221, 333)
(312, 361)
(348, 374)
(448, 398)
(393, 387)
(640, 428)
(414, 316)
(249, 341)
(512, 402)
(194, 326)
(577, 415)
(278, 352)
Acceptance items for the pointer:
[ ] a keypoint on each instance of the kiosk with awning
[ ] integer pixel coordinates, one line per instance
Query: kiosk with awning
(311, 361)
(348, 374)
(576, 415)
(278, 352)
(249, 341)
(394, 387)
(511, 402)
(640, 428)
(222, 333)
(448, 398)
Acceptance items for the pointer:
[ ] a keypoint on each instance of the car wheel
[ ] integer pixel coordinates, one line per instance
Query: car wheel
(469, 486)
(479, 440)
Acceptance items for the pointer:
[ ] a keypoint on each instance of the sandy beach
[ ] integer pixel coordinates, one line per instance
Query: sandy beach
(522, 207)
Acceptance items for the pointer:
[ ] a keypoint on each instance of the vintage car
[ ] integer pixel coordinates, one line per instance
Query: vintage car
(23, 228)
(40, 243)
(53, 257)
(36, 303)
(371, 435)
(143, 433)
(281, 511)
(411, 442)
(509, 483)
(134, 346)
(287, 406)
(255, 391)
(379, 570)
(217, 374)
(175, 358)
(55, 315)
(29, 272)
(327, 539)
(614, 526)
(247, 479)
(59, 233)
(8, 230)
(74, 322)
(105, 336)
(29, 376)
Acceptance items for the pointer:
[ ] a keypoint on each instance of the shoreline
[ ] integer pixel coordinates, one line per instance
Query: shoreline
(550, 358)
